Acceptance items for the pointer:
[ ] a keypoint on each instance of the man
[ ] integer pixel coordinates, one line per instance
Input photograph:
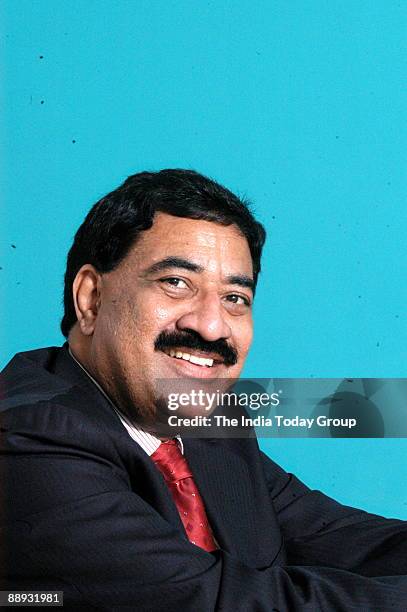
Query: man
(159, 285)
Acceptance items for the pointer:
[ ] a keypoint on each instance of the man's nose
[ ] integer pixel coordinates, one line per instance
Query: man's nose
(207, 317)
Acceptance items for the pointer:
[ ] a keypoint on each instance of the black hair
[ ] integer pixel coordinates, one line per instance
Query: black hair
(113, 224)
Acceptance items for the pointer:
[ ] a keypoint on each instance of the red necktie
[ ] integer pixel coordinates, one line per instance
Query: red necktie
(178, 476)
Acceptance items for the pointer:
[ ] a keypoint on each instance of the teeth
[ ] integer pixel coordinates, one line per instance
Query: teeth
(197, 360)
(202, 361)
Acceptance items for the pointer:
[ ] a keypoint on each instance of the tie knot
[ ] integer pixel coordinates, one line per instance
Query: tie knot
(171, 462)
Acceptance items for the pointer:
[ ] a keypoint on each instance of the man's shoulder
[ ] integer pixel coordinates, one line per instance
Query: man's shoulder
(47, 381)
(48, 406)
(30, 378)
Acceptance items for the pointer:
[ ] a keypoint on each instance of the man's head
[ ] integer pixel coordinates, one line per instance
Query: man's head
(159, 284)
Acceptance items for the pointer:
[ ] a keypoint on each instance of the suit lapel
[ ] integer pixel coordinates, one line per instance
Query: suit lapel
(224, 482)
(144, 477)
(147, 481)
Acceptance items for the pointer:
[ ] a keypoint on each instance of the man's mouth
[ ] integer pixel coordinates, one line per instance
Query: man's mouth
(190, 346)
(192, 357)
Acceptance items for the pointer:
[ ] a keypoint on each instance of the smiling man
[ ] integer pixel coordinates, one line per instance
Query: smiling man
(178, 306)
(99, 503)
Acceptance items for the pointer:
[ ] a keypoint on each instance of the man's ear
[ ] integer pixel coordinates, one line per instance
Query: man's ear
(86, 291)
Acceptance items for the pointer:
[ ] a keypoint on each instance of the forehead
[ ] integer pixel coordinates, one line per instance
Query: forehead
(209, 244)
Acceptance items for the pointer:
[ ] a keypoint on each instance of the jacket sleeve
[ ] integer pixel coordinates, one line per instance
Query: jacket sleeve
(319, 531)
(72, 523)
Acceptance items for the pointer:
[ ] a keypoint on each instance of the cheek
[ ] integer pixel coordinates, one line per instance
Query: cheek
(163, 315)
(145, 320)
(249, 340)
(244, 337)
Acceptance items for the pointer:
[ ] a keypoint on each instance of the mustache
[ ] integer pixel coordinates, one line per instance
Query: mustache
(191, 339)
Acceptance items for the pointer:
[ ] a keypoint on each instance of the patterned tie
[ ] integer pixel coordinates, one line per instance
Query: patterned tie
(178, 476)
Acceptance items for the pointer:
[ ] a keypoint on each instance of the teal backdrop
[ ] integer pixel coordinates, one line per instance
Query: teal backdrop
(299, 105)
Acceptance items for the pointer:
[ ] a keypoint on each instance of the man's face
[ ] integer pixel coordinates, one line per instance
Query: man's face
(177, 307)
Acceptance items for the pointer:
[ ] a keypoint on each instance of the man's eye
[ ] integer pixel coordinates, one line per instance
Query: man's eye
(175, 282)
(240, 300)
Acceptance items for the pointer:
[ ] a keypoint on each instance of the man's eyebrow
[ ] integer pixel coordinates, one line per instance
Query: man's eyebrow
(242, 280)
(180, 262)
(173, 262)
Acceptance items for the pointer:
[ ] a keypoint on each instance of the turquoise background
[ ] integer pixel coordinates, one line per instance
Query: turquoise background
(300, 105)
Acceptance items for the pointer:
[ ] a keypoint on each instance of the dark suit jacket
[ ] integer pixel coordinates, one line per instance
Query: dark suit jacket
(87, 512)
